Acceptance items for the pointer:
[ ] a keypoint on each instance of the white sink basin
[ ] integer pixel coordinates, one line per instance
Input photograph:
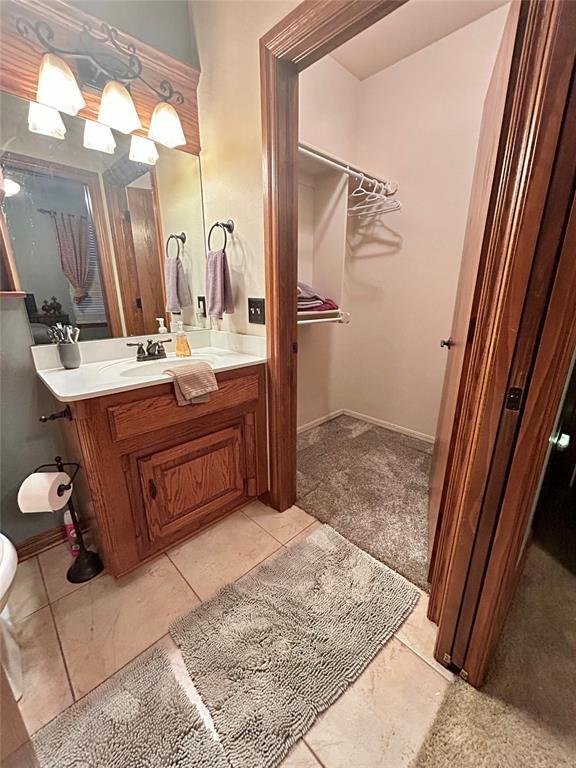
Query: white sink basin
(157, 367)
(93, 379)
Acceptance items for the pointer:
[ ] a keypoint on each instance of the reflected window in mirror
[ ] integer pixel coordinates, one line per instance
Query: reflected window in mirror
(56, 250)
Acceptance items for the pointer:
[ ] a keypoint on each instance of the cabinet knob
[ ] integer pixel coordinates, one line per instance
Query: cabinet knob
(448, 343)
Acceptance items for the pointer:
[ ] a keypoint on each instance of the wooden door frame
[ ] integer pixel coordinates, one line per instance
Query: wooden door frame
(122, 238)
(549, 374)
(532, 115)
(91, 181)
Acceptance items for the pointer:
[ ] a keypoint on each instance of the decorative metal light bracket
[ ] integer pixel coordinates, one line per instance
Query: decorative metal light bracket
(99, 56)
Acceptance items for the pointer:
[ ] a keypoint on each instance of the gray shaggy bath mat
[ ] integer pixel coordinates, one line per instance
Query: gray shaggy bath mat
(140, 718)
(272, 651)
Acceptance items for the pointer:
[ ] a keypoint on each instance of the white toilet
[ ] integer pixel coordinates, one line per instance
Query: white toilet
(10, 651)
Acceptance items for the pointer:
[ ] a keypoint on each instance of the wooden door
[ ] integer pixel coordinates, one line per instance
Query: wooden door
(186, 485)
(548, 376)
(464, 318)
(530, 206)
(147, 256)
(136, 238)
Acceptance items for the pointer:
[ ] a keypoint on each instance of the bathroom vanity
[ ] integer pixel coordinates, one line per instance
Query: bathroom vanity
(154, 472)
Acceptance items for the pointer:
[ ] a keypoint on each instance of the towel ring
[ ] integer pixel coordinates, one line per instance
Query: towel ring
(180, 240)
(225, 226)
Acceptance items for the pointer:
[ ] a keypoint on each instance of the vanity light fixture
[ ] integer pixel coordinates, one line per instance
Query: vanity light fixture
(57, 86)
(45, 120)
(9, 187)
(165, 126)
(117, 109)
(103, 63)
(143, 150)
(99, 137)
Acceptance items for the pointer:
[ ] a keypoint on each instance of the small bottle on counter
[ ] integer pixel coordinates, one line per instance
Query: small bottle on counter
(182, 345)
(161, 325)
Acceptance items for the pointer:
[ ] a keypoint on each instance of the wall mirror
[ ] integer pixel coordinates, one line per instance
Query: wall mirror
(87, 228)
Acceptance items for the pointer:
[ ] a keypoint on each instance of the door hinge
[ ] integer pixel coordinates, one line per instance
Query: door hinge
(514, 399)
(295, 347)
(463, 674)
(471, 329)
(447, 659)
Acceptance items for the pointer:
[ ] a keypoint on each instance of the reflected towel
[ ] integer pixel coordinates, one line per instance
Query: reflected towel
(219, 298)
(178, 293)
(193, 383)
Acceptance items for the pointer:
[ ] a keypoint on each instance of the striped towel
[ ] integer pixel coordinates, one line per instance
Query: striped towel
(193, 383)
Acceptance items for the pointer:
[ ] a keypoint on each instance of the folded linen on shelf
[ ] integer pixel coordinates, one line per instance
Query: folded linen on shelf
(310, 300)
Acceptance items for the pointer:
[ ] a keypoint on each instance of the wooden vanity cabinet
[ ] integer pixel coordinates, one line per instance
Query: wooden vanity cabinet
(155, 472)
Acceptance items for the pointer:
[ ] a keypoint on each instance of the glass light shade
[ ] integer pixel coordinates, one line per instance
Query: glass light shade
(9, 187)
(143, 150)
(98, 136)
(165, 127)
(57, 86)
(45, 120)
(117, 109)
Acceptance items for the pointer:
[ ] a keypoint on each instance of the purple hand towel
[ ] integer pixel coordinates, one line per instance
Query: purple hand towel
(219, 298)
(177, 289)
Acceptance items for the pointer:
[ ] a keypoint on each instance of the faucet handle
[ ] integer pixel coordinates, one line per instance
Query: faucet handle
(140, 353)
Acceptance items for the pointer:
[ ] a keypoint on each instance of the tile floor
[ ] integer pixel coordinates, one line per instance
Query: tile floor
(73, 637)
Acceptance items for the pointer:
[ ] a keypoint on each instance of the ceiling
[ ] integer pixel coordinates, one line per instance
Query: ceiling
(406, 30)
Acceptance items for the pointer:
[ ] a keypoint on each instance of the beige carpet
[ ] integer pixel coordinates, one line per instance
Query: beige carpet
(371, 485)
(525, 715)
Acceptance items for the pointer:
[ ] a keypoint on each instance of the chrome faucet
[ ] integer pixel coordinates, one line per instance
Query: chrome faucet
(154, 350)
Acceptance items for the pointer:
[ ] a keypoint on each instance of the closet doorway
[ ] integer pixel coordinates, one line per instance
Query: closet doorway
(527, 90)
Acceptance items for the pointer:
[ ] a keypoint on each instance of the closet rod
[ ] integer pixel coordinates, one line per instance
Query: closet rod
(355, 173)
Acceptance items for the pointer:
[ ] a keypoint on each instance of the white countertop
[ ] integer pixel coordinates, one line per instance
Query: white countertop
(95, 379)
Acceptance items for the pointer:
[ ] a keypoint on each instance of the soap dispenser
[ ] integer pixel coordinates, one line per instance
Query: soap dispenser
(182, 346)
(161, 325)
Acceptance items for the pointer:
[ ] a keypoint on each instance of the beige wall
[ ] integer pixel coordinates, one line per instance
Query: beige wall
(180, 201)
(417, 123)
(328, 100)
(229, 104)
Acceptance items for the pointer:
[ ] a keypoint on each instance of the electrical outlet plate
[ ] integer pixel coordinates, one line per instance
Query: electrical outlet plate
(256, 311)
(202, 306)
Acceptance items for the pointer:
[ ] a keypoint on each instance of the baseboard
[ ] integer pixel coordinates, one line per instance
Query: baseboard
(42, 541)
(321, 420)
(370, 420)
(388, 425)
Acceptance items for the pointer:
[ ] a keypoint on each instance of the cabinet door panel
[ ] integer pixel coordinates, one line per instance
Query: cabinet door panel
(188, 482)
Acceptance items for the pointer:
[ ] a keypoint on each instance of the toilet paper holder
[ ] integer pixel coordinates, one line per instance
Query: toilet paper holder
(87, 564)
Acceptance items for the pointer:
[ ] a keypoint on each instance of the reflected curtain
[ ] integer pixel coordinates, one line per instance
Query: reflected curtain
(72, 237)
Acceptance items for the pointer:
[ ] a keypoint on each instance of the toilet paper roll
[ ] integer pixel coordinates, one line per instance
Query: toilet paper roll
(39, 492)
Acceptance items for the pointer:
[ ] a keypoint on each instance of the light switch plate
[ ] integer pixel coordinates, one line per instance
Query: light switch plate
(256, 311)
